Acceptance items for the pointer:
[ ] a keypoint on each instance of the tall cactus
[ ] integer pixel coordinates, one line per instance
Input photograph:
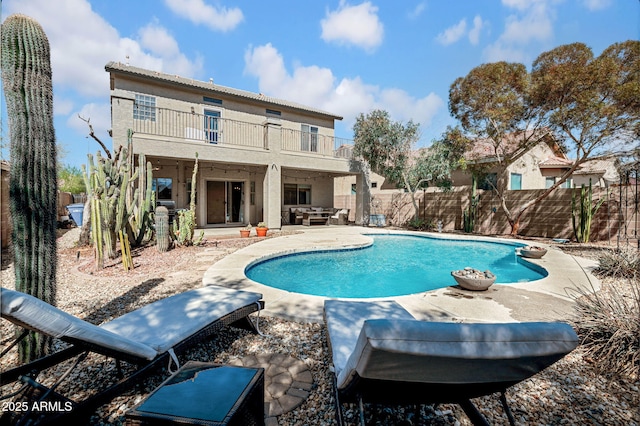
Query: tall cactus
(162, 229)
(185, 223)
(118, 211)
(581, 217)
(26, 77)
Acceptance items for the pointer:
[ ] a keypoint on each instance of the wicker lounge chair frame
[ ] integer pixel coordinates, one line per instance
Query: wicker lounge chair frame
(79, 348)
(350, 387)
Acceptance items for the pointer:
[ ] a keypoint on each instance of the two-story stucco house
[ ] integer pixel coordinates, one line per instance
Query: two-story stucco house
(257, 156)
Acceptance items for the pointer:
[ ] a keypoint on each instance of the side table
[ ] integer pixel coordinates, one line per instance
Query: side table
(205, 394)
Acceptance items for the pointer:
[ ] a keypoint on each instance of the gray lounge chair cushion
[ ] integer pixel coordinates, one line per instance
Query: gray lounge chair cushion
(453, 353)
(32, 313)
(165, 323)
(145, 332)
(344, 320)
(381, 340)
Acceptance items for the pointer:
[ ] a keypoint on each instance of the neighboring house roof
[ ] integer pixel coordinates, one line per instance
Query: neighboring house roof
(555, 163)
(212, 88)
(484, 150)
(606, 168)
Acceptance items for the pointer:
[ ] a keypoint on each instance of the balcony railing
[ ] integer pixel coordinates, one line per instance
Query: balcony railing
(313, 143)
(202, 128)
(212, 129)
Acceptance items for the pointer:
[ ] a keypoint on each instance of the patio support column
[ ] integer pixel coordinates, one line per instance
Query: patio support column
(272, 185)
(363, 199)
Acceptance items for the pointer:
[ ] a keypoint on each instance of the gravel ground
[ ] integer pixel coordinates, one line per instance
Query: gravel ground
(569, 392)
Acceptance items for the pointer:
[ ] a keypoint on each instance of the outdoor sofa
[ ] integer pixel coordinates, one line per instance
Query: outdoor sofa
(147, 338)
(382, 354)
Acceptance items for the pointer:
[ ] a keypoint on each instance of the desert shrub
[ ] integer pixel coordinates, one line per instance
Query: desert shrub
(419, 224)
(620, 263)
(608, 321)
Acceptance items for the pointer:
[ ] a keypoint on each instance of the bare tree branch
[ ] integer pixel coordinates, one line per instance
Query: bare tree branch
(93, 135)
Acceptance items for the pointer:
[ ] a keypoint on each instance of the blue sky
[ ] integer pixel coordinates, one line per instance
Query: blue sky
(346, 57)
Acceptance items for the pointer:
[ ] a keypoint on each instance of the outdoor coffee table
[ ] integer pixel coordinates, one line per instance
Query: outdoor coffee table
(205, 394)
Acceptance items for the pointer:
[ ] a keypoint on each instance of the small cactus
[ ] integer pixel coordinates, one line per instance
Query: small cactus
(162, 229)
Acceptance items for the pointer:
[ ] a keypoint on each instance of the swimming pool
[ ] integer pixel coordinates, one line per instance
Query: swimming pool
(393, 265)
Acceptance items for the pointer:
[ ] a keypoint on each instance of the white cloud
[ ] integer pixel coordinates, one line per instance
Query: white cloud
(318, 87)
(518, 4)
(417, 11)
(456, 32)
(535, 24)
(531, 22)
(198, 12)
(597, 4)
(353, 25)
(474, 33)
(453, 33)
(82, 43)
(99, 115)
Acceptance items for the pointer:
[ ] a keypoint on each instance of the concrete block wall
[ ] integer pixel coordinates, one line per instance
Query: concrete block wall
(617, 218)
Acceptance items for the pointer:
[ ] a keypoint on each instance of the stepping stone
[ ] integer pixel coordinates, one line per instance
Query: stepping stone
(287, 381)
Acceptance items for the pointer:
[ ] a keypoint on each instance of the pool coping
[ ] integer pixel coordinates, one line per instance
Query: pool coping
(550, 298)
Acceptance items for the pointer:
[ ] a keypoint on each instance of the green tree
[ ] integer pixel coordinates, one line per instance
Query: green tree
(590, 103)
(70, 179)
(389, 149)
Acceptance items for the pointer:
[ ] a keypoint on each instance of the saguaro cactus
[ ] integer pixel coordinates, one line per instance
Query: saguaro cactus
(26, 77)
(162, 229)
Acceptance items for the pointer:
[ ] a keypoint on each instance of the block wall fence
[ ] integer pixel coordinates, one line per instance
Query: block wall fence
(617, 218)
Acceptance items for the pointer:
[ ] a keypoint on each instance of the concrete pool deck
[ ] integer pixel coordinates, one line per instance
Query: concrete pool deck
(547, 299)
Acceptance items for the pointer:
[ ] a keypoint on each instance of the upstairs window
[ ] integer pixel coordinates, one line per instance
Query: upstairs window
(309, 138)
(144, 108)
(212, 101)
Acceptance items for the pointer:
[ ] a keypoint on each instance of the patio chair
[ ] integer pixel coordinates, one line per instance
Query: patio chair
(146, 338)
(340, 217)
(382, 354)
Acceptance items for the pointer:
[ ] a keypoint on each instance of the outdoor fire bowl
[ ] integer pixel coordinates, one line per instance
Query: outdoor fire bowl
(474, 279)
(533, 252)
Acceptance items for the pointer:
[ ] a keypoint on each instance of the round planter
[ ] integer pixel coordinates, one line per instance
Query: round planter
(473, 279)
(261, 232)
(244, 233)
(532, 252)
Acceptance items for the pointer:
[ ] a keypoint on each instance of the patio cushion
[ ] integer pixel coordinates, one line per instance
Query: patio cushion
(34, 314)
(454, 353)
(344, 320)
(163, 324)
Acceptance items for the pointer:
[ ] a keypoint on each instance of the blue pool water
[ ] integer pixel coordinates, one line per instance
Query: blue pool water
(394, 265)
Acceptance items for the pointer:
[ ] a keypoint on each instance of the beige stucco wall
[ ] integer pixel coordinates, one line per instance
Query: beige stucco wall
(262, 163)
(528, 166)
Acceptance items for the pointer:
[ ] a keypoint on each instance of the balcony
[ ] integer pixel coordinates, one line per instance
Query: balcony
(212, 129)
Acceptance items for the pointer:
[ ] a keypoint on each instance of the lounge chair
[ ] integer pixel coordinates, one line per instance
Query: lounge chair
(382, 354)
(146, 338)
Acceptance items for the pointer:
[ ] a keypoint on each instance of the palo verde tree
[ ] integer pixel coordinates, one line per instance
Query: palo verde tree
(26, 79)
(589, 103)
(389, 149)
